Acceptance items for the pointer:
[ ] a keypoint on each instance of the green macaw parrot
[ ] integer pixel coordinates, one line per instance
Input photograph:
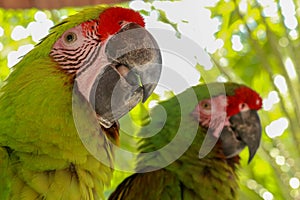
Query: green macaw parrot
(172, 164)
(60, 105)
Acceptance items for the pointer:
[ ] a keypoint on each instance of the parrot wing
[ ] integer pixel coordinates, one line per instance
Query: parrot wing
(142, 186)
(5, 175)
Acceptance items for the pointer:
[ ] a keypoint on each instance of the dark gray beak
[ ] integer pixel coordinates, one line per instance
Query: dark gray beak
(244, 130)
(131, 75)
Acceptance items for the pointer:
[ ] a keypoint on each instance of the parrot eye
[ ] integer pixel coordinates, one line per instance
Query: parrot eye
(70, 37)
(206, 106)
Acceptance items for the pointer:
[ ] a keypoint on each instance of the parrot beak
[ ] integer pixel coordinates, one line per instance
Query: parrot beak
(130, 77)
(244, 130)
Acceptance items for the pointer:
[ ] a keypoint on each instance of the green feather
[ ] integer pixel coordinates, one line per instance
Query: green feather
(46, 157)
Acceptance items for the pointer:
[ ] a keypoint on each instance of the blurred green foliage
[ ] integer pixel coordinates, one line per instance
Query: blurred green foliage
(267, 53)
(9, 19)
(270, 45)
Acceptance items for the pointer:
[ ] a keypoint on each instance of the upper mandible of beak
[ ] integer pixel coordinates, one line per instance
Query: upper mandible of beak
(244, 130)
(130, 77)
(135, 48)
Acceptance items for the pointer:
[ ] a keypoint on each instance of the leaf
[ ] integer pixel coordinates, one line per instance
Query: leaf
(163, 18)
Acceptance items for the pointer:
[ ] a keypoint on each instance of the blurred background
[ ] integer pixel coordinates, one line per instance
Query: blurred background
(254, 42)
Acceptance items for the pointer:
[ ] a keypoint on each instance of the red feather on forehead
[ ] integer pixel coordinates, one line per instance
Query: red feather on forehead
(243, 95)
(110, 22)
(111, 19)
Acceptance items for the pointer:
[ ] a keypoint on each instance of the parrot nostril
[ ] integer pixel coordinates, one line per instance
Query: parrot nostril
(243, 107)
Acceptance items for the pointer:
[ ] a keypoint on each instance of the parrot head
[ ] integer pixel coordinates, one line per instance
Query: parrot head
(113, 61)
(233, 118)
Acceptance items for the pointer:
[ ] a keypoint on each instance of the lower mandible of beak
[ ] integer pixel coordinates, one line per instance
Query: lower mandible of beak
(113, 95)
(244, 130)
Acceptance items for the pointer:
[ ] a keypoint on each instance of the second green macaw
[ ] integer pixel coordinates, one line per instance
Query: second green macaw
(60, 105)
(171, 168)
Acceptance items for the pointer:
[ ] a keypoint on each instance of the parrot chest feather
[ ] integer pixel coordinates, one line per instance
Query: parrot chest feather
(212, 177)
(47, 158)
